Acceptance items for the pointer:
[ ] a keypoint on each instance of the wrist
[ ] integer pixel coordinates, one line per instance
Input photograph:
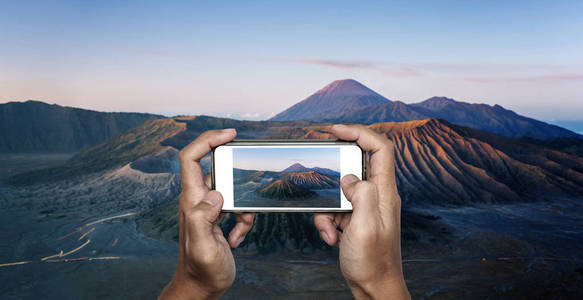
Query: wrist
(391, 287)
(188, 288)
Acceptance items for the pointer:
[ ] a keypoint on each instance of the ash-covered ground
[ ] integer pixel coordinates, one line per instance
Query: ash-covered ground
(109, 235)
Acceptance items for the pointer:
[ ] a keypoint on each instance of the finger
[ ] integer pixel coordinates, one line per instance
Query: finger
(362, 195)
(190, 156)
(327, 228)
(243, 226)
(203, 217)
(367, 163)
(208, 182)
(342, 220)
(382, 160)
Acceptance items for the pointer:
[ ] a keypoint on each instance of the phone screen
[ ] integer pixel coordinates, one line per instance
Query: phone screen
(290, 177)
(286, 177)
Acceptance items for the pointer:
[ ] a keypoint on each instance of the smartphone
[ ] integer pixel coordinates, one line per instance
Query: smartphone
(285, 175)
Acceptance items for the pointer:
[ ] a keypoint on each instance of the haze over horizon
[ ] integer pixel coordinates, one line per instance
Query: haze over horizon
(252, 61)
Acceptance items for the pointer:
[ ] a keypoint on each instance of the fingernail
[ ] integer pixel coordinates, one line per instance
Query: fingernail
(348, 179)
(324, 236)
(229, 130)
(338, 126)
(211, 198)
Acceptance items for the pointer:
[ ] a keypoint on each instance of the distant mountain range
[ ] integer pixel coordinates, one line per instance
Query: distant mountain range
(576, 126)
(348, 101)
(437, 162)
(297, 167)
(34, 126)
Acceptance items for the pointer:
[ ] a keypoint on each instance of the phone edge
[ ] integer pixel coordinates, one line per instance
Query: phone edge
(284, 141)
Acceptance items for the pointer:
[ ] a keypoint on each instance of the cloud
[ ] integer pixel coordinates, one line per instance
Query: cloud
(383, 68)
(340, 64)
(524, 78)
(250, 115)
(492, 67)
(481, 72)
(238, 116)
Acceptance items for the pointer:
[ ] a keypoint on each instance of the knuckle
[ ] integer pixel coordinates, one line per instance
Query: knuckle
(204, 135)
(348, 192)
(320, 221)
(182, 154)
(359, 127)
(207, 134)
(248, 218)
(365, 187)
(196, 216)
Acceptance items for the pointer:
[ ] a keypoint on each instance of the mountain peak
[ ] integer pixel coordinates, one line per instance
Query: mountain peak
(331, 101)
(296, 167)
(435, 103)
(346, 87)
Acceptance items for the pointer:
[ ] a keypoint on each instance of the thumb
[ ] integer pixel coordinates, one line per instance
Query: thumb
(362, 194)
(206, 213)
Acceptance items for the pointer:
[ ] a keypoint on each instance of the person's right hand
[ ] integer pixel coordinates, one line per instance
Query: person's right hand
(370, 236)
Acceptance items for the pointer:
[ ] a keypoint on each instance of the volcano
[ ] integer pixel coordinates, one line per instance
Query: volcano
(349, 101)
(297, 167)
(285, 189)
(331, 101)
(312, 180)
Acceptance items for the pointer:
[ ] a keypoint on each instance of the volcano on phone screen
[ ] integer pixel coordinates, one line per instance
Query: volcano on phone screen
(286, 177)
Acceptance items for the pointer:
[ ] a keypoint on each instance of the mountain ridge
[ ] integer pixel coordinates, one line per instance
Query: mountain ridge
(297, 167)
(35, 126)
(312, 180)
(285, 189)
(436, 161)
(496, 118)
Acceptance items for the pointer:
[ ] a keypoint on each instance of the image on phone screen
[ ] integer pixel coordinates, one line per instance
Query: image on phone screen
(286, 177)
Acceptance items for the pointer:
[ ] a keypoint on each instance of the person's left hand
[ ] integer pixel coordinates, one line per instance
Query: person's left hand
(206, 267)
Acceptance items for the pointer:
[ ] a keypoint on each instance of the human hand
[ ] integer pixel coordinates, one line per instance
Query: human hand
(370, 236)
(206, 267)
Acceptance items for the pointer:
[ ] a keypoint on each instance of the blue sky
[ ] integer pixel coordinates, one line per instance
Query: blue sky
(277, 159)
(253, 60)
